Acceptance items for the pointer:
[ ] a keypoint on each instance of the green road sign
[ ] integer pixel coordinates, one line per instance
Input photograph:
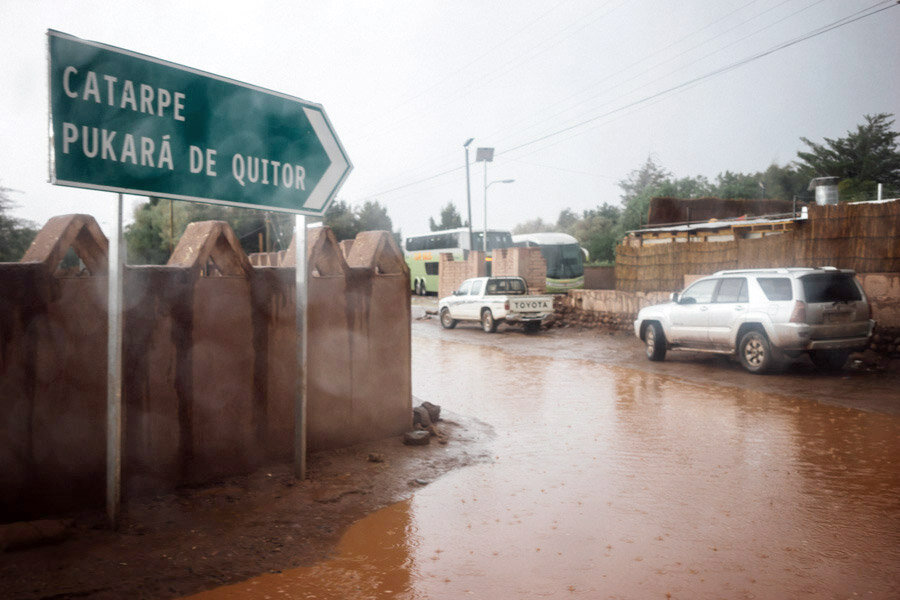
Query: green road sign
(126, 122)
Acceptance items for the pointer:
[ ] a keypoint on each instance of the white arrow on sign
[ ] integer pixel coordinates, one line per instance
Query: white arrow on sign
(331, 179)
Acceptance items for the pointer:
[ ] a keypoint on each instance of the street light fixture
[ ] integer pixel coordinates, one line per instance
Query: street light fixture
(468, 188)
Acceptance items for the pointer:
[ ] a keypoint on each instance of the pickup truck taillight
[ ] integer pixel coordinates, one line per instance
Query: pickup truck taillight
(798, 315)
(506, 305)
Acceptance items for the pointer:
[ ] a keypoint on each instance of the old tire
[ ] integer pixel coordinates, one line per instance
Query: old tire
(488, 324)
(829, 360)
(655, 341)
(447, 322)
(532, 326)
(755, 352)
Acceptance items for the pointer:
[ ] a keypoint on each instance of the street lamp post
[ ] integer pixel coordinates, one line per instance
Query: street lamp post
(468, 189)
(486, 186)
(484, 155)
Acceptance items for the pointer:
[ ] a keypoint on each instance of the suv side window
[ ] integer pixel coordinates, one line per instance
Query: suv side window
(699, 293)
(464, 289)
(732, 289)
(776, 288)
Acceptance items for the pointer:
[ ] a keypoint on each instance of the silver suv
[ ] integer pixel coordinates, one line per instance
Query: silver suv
(763, 315)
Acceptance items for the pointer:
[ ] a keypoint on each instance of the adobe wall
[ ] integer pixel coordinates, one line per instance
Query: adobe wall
(863, 236)
(209, 368)
(599, 278)
(451, 273)
(883, 293)
(527, 263)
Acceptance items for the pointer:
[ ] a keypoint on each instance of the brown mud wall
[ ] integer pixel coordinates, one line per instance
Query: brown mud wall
(527, 263)
(682, 210)
(864, 237)
(209, 365)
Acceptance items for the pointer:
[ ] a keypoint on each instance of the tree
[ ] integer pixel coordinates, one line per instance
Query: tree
(566, 220)
(159, 223)
(637, 189)
(862, 159)
(15, 234)
(342, 221)
(739, 185)
(372, 216)
(599, 230)
(450, 219)
(533, 226)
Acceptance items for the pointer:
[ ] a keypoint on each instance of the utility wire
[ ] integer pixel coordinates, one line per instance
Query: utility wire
(815, 33)
(852, 18)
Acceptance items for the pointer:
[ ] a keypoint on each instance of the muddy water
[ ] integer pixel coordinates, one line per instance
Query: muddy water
(614, 483)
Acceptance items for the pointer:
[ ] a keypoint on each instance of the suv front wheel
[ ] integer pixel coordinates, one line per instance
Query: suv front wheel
(755, 352)
(655, 342)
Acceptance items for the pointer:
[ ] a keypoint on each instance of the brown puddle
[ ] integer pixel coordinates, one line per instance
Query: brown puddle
(614, 483)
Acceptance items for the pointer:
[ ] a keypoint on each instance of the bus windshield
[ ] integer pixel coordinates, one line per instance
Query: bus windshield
(564, 261)
(495, 239)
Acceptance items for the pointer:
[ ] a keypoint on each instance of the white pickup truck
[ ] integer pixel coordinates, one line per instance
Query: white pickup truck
(493, 300)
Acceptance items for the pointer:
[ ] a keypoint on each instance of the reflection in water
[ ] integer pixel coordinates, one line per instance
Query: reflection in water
(613, 483)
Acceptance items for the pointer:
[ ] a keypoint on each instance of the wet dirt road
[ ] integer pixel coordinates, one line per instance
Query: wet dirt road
(609, 481)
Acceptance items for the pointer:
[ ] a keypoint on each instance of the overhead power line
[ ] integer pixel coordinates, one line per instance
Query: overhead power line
(843, 21)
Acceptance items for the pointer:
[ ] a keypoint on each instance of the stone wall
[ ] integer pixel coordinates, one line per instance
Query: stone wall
(209, 362)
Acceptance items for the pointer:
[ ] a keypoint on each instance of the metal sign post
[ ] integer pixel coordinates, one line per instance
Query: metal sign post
(301, 283)
(114, 373)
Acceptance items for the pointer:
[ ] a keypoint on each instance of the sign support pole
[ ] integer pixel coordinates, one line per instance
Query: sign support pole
(301, 287)
(114, 373)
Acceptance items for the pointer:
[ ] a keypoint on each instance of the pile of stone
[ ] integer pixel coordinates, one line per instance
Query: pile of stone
(569, 316)
(886, 341)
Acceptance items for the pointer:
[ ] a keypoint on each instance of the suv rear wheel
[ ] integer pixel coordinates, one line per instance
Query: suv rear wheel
(655, 341)
(829, 360)
(755, 352)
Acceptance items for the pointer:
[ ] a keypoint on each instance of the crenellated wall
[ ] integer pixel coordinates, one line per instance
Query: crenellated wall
(209, 362)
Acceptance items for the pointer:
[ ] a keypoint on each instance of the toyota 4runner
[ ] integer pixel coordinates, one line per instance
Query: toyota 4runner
(762, 315)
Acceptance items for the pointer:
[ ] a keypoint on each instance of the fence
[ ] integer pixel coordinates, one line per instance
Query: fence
(864, 237)
(209, 362)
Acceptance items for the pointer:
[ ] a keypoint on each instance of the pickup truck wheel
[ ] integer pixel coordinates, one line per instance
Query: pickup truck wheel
(447, 322)
(655, 341)
(755, 352)
(488, 324)
(829, 360)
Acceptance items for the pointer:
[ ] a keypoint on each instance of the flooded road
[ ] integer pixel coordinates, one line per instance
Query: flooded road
(611, 482)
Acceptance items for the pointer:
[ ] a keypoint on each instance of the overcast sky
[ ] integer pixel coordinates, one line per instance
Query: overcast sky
(406, 83)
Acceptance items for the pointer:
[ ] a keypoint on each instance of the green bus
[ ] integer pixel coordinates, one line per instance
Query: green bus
(424, 251)
(564, 257)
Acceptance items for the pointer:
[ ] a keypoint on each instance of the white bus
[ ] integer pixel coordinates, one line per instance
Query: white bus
(564, 257)
(423, 252)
